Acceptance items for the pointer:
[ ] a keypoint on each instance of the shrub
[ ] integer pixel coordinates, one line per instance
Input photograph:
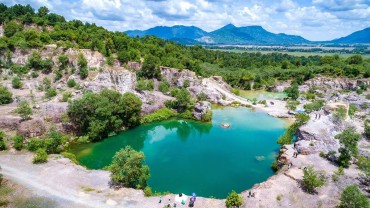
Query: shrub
(233, 200)
(66, 96)
(2, 143)
(364, 105)
(352, 197)
(202, 96)
(367, 129)
(368, 96)
(207, 116)
(16, 82)
(337, 174)
(159, 115)
(148, 191)
(71, 83)
(40, 157)
(70, 156)
(35, 144)
(364, 165)
(24, 110)
(18, 142)
(51, 92)
(352, 110)
(349, 139)
(235, 91)
(58, 75)
(314, 106)
(84, 72)
(293, 91)
(344, 157)
(142, 85)
(340, 114)
(275, 166)
(186, 115)
(310, 96)
(5, 95)
(186, 84)
(287, 137)
(311, 179)
(164, 87)
(127, 168)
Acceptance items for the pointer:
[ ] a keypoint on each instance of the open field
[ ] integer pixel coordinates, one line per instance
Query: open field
(290, 53)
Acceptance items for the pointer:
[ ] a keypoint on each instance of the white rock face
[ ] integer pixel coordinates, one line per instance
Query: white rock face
(1, 31)
(200, 109)
(118, 79)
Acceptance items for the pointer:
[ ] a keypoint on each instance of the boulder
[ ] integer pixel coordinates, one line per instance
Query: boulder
(32, 128)
(200, 109)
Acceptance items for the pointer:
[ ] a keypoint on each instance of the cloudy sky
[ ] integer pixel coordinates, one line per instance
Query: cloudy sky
(312, 19)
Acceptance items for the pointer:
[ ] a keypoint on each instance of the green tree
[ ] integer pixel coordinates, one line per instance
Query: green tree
(2, 142)
(293, 91)
(71, 83)
(43, 11)
(355, 59)
(63, 61)
(5, 95)
(24, 110)
(233, 200)
(150, 68)
(16, 82)
(366, 125)
(312, 179)
(11, 28)
(349, 139)
(352, 197)
(344, 157)
(128, 168)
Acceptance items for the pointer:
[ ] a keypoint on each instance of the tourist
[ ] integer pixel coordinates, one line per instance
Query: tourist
(250, 194)
(174, 204)
(253, 195)
(160, 199)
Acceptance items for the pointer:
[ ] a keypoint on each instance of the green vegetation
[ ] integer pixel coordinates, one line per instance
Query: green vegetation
(18, 142)
(292, 104)
(164, 87)
(207, 117)
(337, 174)
(40, 156)
(233, 200)
(51, 143)
(349, 139)
(98, 114)
(71, 83)
(312, 179)
(364, 165)
(142, 85)
(352, 110)
(24, 110)
(159, 115)
(66, 96)
(314, 106)
(340, 115)
(239, 69)
(367, 129)
(5, 95)
(2, 142)
(352, 197)
(127, 168)
(70, 156)
(293, 91)
(17, 83)
(183, 100)
(287, 137)
(50, 93)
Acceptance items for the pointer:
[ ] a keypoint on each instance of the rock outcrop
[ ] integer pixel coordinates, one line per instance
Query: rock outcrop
(200, 109)
(334, 83)
(177, 77)
(32, 128)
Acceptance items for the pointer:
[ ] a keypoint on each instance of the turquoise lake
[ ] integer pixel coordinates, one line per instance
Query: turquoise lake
(205, 158)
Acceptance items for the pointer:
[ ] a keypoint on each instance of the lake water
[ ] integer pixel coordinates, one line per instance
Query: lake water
(188, 156)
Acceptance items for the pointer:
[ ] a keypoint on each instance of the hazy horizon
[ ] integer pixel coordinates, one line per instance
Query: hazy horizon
(315, 20)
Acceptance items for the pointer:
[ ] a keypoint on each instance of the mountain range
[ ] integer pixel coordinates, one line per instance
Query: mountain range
(232, 35)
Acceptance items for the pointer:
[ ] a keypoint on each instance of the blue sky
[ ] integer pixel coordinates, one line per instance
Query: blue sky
(312, 19)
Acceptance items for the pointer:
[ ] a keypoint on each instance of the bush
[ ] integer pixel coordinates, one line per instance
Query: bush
(340, 114)
(293, 91)
(18, 142)
(367, 129)
(164, 87)
(16, 82)
(35, 144)
(202, 96)
(364, 165)
(127, 168)
(40, 157)
(352, 110)
(84, 72)
(314, 106)
(352, 197)
(233, 200)
(207, 116)
(159, 115)
(66, 96)
(186, 115)
(364, 105)
(235, 91)
(5, 95)
(24, 110)
(70, 156)
(186, 84)
(311, 179)
(142, 85)
(71, 83)
(51, 92)
(368, 96)
(349, 139)
(2, 143)
(148, 191)
(310, 96)
(287, 137)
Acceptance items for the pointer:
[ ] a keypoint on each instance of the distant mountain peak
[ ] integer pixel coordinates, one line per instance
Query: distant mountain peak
(362, 36)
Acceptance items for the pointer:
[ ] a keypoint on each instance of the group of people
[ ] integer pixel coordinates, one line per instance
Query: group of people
(251, 194)
(191, 202)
